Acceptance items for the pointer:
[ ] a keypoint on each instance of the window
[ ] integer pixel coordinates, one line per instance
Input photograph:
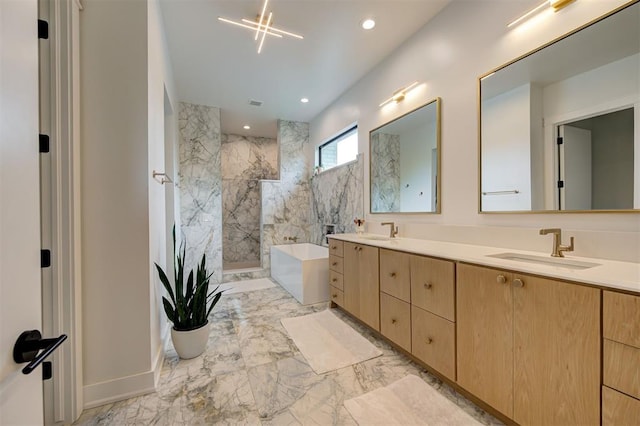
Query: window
(339, 150)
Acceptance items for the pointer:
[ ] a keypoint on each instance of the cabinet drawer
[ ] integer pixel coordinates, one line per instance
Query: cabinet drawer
(619, 409)
(433, 286)
(337, 295)
(394, 274)
(336, 247)
(336, 279)
(336, 264)
(395, 320)
(433, 341)
(621, 367)
(621, 318)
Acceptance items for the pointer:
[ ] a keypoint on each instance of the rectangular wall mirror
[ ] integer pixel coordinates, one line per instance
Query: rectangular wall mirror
(404, 165)
(560, 126)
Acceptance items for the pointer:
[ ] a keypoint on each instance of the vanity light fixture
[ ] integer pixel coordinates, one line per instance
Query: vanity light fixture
(262, 25)
(368, 24)
(556, 5)
(400, 94)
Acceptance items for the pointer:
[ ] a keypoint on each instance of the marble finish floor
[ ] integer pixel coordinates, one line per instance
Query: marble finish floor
(252, 373)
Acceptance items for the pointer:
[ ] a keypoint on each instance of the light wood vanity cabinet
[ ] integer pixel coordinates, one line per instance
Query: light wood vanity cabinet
(529, 346)
(621, 362)
(361, 283)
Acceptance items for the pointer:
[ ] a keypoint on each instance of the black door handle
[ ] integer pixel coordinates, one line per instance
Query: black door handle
(28, 346)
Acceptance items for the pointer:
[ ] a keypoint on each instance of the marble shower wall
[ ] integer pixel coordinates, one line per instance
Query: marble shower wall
(200, 185)
(245, 161)
(385, 173)
(286, 203)
(337, 199)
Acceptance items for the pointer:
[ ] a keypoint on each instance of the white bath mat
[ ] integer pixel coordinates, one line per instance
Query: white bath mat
(409, 401)
(327, 343)
(246, 285)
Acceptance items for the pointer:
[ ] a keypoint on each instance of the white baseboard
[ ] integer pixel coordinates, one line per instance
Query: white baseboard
(119, 389)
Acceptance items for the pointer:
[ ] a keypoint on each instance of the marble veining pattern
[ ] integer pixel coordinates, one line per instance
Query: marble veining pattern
(245, 379)
(200, 185)
(385, 173)
(337, 199)
(245, 161)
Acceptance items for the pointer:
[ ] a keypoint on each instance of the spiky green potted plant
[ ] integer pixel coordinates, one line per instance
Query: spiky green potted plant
(189, 304)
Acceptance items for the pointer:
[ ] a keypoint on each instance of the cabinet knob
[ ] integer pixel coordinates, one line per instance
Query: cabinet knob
(334, 263)
(518, 283)
(334, 280)
(359, 248)
(334, 295)
(355, 248)
(393, 321)
(334, 247)
(428, 286)
(429, 340)
(501, 279)
(392, 275)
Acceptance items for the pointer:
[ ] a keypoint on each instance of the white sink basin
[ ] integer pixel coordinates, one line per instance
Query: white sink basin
(549, 261)
(375, 237)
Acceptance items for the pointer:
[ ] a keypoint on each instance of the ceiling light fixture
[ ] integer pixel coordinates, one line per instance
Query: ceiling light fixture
(246, 127)
(368, 24)
(261, 26)
(400, 94)
(304, 100)
(556, 5)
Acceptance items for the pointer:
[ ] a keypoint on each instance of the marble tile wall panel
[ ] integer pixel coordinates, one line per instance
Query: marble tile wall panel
(385, 173)
(245, 161)
(200, 185)
(337, 198)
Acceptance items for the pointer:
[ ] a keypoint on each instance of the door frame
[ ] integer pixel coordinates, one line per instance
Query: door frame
(66, 398)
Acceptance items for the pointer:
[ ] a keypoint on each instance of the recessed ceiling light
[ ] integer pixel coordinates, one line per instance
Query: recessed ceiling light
(368, 24)
(304, 100)
(246, 127)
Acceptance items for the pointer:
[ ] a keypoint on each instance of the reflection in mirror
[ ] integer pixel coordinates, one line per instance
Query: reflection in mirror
(404, 160)
(560, 127)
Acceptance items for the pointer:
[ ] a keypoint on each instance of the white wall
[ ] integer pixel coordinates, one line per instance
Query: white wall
(464, 41)
(124, 70)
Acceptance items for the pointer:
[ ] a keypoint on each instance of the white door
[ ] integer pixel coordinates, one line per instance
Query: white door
(575, 168)
(20, 303)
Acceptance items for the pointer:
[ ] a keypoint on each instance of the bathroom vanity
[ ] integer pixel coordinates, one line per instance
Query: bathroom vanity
(534, 339)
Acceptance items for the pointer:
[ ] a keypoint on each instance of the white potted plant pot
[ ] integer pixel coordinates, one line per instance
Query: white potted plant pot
(191, 343)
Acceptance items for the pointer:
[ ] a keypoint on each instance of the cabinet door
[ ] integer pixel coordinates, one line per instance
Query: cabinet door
(485, 335)
(351, 286)
(369, 286)
(557, 353)
(433, 285)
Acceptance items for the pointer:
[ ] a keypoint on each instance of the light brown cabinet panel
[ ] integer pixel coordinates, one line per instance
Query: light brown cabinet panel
(621, 318)
(433, 285)
(433, 341)
(485, 335)
(361, 283)
(336, 264)
(395, 275)
(395, 320)
(337, 295)
(621, 368)
(336, 279)
(336, 247)
(619, 409)
(556, 352)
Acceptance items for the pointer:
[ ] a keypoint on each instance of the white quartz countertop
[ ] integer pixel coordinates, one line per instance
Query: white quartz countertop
(608, 273)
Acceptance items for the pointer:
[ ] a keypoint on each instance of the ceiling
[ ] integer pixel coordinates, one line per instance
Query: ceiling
(217, 64)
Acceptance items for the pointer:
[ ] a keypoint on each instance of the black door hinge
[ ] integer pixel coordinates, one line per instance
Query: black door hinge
(47, 370)
(45, 258)
(560, 184)
(560, 141)
(44, 143)
(43, 29)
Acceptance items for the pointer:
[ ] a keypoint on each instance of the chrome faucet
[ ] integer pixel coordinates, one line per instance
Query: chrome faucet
(394, 229)
(558, 248)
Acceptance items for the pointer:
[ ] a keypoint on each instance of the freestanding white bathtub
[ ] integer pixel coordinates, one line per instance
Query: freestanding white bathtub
(303, 270)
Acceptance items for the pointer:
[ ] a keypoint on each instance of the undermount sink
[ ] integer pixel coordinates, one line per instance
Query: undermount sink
(550, 261)
(375, 237)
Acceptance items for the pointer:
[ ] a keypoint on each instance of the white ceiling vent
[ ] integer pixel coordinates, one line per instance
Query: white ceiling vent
(253, 102)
